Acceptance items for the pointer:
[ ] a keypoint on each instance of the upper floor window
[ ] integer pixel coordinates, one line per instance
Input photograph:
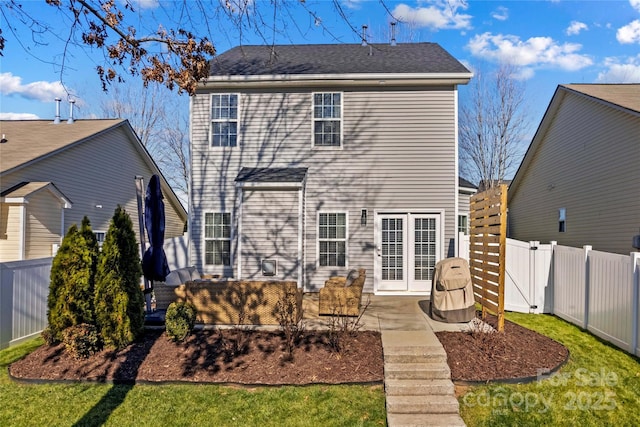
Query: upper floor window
(332, 239)
(224, 120)
(217, 238)
(327, 119)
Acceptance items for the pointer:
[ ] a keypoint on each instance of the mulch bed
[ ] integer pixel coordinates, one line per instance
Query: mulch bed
(216, 356)
(517, 354)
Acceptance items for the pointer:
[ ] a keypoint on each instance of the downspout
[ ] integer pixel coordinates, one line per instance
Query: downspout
(457, 172)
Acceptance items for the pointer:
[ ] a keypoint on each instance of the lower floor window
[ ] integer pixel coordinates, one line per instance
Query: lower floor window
(332, 239)
(217, 238)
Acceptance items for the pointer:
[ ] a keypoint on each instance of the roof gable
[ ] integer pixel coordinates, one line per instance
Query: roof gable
(335, 59)
(29, 140)
(622, 96)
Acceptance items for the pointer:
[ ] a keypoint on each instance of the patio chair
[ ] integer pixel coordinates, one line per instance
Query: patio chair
(341, 295)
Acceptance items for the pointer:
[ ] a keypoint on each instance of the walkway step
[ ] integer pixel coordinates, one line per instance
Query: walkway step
(415, 354)
(431, 404)
(422, 420)
(416, 371)
(396, 387)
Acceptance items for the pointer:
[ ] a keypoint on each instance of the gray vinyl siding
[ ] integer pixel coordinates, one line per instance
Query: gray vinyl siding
(97, 172)
(587, 163)
(398, 152)
(270, 230)
(43, 228)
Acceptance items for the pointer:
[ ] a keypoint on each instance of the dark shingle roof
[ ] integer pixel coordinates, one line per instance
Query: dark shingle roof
(464, 183)
(335, 59)
(271, 175)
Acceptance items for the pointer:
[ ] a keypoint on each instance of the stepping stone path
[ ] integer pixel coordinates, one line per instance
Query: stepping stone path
(417, 381)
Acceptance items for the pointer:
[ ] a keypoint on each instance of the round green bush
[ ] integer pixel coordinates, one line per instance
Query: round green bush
(180, 320)
(81, 341)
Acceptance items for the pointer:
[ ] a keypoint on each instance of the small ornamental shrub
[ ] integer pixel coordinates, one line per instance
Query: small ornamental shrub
(48, 336)
(180, 320)
(81, 341)
(71, 288)
(119, 303)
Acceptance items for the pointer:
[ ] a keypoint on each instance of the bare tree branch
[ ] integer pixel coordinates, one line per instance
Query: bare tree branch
(492, 126)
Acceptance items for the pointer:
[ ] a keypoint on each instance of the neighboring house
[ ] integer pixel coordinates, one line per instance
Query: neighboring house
(465, 190)
(319, 159)
(52, 175)
(579, 182)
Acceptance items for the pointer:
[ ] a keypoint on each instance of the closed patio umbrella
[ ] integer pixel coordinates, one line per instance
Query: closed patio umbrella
(154, 260)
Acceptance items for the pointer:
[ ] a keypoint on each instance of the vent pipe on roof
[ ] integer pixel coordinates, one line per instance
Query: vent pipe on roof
(364, 35)
(393, 34)
(57, 119)
(71, 102)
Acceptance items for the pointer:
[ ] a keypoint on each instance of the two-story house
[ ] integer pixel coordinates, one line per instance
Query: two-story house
(312, 160)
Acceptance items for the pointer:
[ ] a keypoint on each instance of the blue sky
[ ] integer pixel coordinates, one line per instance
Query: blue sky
(551, 43)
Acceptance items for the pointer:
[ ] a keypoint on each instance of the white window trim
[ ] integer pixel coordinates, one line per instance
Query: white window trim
(313, 121)
(211, 121)
(346, 239)
(205, 239)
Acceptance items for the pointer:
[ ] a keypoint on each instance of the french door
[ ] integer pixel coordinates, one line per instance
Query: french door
(407, 248)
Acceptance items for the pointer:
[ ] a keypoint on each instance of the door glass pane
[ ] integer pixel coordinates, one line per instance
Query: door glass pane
(392, 249)
(425, 248)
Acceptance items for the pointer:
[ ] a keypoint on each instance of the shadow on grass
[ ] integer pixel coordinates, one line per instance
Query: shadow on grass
(124, 379)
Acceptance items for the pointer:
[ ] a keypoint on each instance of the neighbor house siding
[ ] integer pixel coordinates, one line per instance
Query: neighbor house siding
(398, 152)
(587, 163)
(10, 231)
(99, 172)
(43, 225)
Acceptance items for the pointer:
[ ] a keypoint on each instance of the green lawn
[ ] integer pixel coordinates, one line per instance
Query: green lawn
(182, 405)
(599, 386)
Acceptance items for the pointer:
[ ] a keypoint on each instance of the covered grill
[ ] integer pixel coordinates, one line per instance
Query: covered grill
(452, 298)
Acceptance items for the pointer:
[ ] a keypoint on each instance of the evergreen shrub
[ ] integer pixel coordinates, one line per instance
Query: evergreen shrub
(119, 302)
(180, 320)
(71, 286)
(81, 341)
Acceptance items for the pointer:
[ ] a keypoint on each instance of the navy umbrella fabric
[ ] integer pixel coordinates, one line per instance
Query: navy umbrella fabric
(154, 260)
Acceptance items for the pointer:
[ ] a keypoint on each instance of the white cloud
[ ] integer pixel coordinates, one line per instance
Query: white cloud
(144, 4)
(630, 33)
(40, 90)
(575, 27)
(635, 4)
(440, 14)
(353, 4)
(621, 72)
(18, 116)
(501, 13)
(534, 52)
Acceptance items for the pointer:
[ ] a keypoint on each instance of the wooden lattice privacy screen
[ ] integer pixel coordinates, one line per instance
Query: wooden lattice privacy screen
(487, 249)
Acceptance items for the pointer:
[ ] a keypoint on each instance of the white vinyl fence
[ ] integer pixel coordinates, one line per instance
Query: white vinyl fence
(24, 288)
(597, 291)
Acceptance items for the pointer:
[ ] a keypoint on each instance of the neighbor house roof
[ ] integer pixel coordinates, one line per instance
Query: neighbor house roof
(29, 140)
(20, 192)
(625, 97)
(323, 63)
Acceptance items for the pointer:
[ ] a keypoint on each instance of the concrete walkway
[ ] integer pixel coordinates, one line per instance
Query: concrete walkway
(417, 379)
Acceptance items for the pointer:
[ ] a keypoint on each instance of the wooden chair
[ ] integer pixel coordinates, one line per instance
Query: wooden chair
(341, 295)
